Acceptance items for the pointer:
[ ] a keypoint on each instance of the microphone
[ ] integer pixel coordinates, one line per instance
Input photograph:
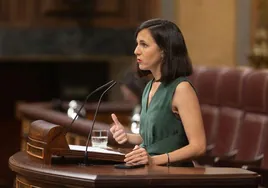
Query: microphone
(85, 101)
(93, 122)
(65, 131)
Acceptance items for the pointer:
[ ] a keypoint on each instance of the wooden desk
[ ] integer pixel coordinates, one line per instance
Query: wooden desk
(33, 173)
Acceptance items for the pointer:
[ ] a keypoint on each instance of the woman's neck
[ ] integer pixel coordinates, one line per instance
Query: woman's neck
(156, 75)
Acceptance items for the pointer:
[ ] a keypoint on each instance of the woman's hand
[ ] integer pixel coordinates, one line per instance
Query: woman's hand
(138, 156)
(118, 131)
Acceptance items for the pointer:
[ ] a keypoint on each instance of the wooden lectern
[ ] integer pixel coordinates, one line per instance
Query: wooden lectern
(47, 140)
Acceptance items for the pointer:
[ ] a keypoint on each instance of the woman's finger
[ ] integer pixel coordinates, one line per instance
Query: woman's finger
(118, 133)
(115, 119)
(121, 137)
(112, 129)
(132, 155)
(137, 151)
(122, 141)
(136, 147)
(138, 160)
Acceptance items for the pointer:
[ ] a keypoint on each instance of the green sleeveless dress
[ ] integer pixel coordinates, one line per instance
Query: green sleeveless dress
(162, 131)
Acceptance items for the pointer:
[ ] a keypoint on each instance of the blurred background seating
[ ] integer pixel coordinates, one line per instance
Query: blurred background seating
(240, 126)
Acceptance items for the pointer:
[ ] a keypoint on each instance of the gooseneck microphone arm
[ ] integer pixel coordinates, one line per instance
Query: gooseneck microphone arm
(93, 123)
(85, 101)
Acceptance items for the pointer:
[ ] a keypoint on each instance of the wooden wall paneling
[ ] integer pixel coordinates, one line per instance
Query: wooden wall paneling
(43, 14)
(117, 9)
(105, 13)
(36, 13)
(4, 11)
(133, 12)
(21, 11)
(108, 6)
(140, 10)
(144, 10)
(44, 20)
(114, 13)
(53, 13)
(155, 9)
(17, 12)
(49, 6)
(12, 12)
(32, 18)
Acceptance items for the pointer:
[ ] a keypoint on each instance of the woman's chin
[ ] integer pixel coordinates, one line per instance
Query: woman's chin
(142, 67)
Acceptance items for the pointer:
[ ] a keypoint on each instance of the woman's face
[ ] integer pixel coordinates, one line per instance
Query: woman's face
(147, 51)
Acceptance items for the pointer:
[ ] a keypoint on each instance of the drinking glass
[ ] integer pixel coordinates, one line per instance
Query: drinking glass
(99, 138)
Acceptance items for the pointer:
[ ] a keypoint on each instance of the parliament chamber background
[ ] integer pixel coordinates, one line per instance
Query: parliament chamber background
(57, 50)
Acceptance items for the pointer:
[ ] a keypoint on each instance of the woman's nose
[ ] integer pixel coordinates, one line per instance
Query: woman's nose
(136, 51)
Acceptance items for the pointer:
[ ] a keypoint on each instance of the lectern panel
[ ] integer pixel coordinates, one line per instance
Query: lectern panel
(104, 176)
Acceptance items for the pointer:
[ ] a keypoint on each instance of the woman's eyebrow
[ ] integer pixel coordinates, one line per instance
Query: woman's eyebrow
(141, 40)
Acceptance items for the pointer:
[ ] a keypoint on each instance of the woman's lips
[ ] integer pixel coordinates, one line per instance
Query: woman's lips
(138, 61)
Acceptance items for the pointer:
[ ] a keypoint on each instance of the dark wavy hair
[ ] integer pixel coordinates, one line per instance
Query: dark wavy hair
(169, 38)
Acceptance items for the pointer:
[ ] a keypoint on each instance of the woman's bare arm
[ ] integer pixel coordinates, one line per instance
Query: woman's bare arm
(185, 103)
(134, 138)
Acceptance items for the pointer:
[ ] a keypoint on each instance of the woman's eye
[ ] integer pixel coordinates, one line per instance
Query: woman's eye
(144, 45)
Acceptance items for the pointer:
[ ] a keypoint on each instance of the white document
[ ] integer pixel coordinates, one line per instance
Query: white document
(94, 149)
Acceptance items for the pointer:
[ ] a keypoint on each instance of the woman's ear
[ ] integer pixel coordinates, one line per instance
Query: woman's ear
(162, 54)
